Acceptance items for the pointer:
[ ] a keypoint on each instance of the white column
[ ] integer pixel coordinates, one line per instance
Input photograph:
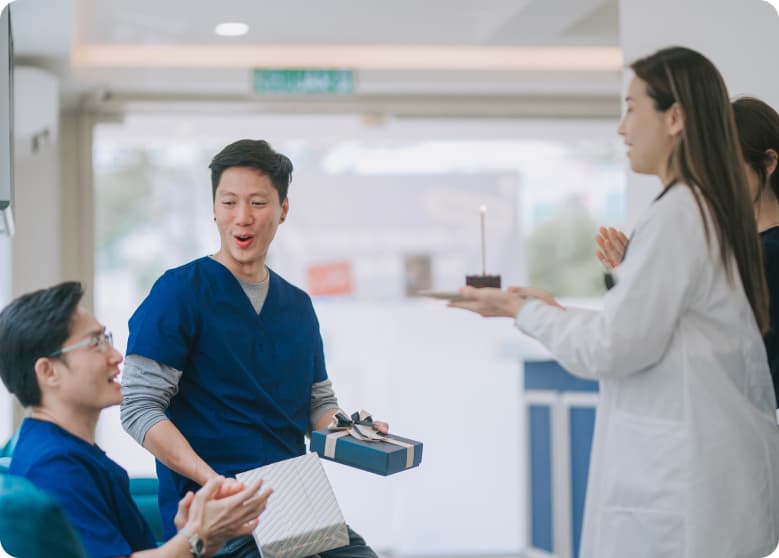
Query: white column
(741, 38)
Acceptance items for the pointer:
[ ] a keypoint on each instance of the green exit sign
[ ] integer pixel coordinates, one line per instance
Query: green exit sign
(323, 82)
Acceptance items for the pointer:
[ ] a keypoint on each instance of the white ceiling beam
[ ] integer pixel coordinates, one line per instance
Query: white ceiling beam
(581, 107)
(348, 56)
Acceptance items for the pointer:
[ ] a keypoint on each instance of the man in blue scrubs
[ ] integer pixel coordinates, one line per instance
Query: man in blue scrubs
(59, 361)
(225, 368)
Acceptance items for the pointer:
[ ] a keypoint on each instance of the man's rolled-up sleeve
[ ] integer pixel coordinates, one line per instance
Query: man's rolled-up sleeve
(147, 388)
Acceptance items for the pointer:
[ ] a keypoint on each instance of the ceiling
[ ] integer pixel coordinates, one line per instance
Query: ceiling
(166, 49)
(447, 22)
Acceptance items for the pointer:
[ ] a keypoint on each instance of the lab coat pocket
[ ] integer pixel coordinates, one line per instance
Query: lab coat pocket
(638, 533)
(647, 465)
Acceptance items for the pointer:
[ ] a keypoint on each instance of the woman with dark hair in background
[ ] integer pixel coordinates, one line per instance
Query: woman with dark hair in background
(685, 456)
(758, 132)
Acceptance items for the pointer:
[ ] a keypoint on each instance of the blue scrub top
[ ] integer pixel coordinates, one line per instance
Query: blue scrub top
(92, 489)
(245, 391)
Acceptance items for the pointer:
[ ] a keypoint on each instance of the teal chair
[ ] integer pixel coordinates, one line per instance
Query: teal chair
(144, 492)
(8, 449)
(32, 524)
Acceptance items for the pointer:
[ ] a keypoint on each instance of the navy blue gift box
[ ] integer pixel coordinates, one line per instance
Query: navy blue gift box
(382, 458)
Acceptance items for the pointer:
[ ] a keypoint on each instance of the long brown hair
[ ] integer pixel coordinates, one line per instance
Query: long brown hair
(706, 157)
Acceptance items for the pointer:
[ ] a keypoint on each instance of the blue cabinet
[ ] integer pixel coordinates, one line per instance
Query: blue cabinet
(560, 419)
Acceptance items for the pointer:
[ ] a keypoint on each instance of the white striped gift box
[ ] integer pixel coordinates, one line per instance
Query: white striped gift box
(302, 517)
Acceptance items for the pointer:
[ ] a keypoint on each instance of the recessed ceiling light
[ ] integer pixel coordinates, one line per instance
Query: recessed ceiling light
(231, 29)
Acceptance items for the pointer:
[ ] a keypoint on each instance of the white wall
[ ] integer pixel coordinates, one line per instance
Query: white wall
(36, 260)
(740, 37)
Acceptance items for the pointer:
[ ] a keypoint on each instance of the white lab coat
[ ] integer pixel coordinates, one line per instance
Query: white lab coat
(685, 456)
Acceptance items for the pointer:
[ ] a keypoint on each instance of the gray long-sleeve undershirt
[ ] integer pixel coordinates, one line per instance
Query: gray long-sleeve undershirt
(148, 386)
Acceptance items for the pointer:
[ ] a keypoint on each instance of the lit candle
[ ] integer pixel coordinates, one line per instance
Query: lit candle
(482, 213)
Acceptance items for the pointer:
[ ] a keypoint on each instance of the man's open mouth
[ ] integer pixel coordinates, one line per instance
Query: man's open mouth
(243, 240)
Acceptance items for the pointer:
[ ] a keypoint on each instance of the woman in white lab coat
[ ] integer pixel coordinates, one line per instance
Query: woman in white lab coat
(685, 457)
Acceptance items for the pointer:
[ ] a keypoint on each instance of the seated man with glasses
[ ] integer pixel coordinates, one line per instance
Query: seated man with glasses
(59, 361)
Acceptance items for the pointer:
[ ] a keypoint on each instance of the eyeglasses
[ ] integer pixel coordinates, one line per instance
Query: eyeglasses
(99, 342)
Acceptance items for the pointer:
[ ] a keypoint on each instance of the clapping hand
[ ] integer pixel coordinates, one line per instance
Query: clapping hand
(221, 510)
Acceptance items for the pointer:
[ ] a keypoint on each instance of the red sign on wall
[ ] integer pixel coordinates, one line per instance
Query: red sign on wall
(334, 278)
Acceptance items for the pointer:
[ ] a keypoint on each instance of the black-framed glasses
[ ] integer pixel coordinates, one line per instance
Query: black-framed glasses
(100, 342)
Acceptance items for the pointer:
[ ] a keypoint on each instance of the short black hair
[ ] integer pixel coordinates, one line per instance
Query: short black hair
(34, 326)
(256, 154)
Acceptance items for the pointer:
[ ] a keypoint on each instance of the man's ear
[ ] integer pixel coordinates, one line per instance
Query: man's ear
(46, 373)
(284, 209)
(674, 119)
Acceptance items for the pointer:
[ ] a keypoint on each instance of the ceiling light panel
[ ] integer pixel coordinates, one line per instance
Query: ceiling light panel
(231, 29)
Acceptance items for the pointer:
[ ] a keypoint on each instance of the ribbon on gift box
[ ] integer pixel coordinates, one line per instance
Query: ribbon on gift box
(361, 427)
